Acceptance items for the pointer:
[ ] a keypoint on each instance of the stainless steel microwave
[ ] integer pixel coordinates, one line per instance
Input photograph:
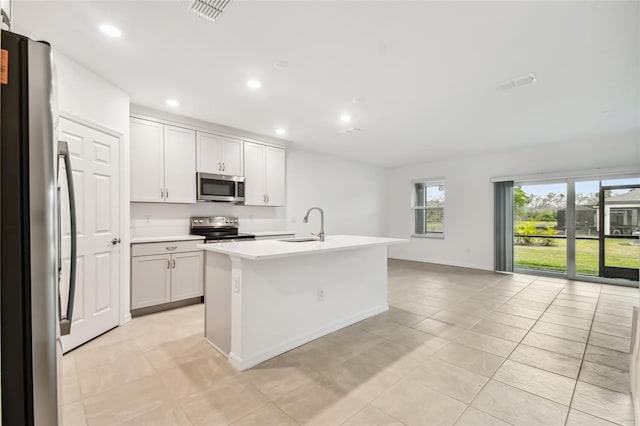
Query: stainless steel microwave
(229, 189)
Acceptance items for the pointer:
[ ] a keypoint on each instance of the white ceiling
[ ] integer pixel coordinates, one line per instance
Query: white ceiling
(426, 72)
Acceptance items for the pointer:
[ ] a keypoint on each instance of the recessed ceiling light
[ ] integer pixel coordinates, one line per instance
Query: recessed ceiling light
(280, 131)
(254, 84)
(172, 102)
(345, 118)
(110, 30)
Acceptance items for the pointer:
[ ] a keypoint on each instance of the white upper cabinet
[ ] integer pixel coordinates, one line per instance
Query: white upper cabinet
(179, 165)
(231, 156)
(254, 194)
(147, 161)
(163, 163)
(208, 153)
(264, 175)
(274, 181)
(219, 155)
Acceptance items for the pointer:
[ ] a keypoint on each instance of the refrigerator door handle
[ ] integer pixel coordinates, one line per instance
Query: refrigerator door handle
(65, 320)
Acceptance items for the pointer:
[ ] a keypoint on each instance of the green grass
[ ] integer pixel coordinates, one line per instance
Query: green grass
(618, 253)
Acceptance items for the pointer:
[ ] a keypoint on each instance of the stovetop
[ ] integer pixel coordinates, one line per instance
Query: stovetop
(218, 228)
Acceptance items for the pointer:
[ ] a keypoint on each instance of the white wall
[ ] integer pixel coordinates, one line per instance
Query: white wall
(157, 219)
(351, 194)
(83, 95)
(469, 194)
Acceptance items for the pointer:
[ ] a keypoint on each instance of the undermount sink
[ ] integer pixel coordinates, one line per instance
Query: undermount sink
(299, 239)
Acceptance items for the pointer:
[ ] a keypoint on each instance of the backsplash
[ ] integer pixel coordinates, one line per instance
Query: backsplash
(152, 220)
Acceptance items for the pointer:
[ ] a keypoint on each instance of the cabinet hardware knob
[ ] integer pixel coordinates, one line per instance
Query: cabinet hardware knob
(171, 248)
(115, 241)
(168, 264)
(174, 264)
(162, 193)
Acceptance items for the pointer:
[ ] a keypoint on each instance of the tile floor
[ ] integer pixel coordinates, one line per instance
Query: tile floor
(458, 346)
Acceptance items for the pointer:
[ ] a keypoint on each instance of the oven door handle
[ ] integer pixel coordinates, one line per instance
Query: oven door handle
(66, 319)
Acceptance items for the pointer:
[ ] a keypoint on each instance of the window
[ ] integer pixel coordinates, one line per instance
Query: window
(428, 208)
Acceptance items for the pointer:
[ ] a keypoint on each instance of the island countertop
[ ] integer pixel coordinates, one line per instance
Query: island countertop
(269, 249)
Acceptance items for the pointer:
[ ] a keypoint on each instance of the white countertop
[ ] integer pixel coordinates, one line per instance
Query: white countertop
(139, 240)
(270, 233)
(269, 249)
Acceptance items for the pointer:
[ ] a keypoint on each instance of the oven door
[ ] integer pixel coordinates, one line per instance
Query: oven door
(219, 187)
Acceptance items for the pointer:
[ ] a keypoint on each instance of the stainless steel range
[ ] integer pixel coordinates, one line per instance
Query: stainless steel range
(218, 229)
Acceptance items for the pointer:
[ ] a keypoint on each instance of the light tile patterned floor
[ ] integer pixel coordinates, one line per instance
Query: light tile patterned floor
(458, 346)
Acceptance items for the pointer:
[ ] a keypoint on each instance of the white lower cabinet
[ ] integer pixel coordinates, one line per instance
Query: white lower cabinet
(150, 280)
(158, 277)
(187, 277)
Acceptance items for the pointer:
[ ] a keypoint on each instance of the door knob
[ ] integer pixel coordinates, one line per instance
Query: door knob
(115, 241)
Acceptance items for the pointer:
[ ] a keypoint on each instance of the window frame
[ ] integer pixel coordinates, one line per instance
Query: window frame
(438, 181)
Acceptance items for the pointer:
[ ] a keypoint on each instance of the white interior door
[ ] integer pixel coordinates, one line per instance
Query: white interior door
(95, 160)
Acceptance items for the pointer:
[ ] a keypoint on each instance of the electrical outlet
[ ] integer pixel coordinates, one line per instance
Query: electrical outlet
(320, 295)
(236, 285)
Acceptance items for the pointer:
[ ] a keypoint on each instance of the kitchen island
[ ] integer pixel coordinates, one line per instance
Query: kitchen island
(263, 298)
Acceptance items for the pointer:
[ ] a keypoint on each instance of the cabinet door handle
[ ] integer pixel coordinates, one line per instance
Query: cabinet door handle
(170, 248)
(174, 264)
(224, 167)
(267, 199)
(162, 193)
(168, 264)
(219, 166)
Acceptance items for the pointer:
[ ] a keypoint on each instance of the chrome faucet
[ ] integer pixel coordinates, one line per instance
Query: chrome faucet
(306, 219)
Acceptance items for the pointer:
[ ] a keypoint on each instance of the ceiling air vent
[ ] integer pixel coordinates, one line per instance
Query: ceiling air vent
(522, 80)
(209, 9)
(350, 130)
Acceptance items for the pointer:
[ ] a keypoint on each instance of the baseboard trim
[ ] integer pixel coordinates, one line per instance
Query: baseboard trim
(253, 360)
(165, 306)
(126, 318)
(215, 346)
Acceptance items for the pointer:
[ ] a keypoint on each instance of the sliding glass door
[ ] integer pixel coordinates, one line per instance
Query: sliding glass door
(540, 231)
(587, 235)
(618, 214)
(585, 229)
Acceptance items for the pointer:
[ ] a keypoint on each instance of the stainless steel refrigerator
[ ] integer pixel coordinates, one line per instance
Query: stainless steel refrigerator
(33, 313)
